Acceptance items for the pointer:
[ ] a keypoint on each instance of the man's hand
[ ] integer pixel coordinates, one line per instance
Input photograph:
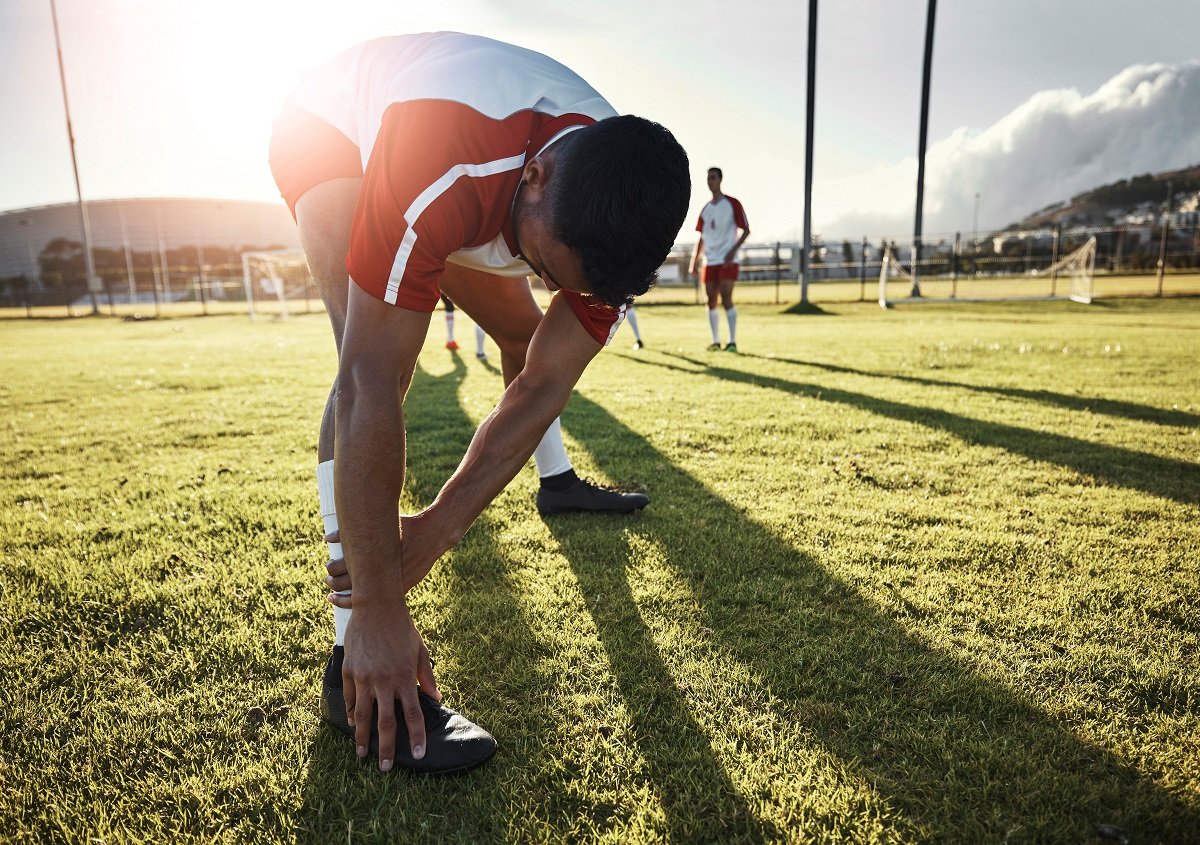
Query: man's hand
(419, 551)
(386, 660)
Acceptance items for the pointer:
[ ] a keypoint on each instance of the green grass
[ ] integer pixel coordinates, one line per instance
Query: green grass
(930, 574)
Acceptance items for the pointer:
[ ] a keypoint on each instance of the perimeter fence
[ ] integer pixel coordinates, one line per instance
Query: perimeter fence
(1149, 260)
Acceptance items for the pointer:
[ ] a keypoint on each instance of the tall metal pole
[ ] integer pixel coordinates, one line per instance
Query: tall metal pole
(808, 149)
(928, 66)
(1054, 259)
(129, 272)
(975, 224)
(93, 281)
(1162, 247)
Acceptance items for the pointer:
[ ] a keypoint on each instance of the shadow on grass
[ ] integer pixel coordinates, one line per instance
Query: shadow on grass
(486, 622)
(1092, 404)
(1167, 478)
(807, 309)
(957, 756)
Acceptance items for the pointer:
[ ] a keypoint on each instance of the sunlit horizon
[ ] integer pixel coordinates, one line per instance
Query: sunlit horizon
(175, 100)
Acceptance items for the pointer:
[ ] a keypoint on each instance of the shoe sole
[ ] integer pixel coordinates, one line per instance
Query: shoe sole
(617, 511)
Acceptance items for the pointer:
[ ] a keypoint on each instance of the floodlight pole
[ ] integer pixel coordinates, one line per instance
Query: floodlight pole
(93, 281)
(1162, 246)
(928, 66)
(806, 250)
(975, 225)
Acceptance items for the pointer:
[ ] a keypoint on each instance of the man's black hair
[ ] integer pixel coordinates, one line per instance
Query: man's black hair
(720, 175)
(618, 197)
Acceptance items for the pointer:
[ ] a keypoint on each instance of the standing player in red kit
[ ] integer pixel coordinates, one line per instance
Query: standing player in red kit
(719, 242)
(449, 163)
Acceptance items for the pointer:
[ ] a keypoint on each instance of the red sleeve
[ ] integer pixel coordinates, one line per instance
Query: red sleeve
(700, 222)
(440, 177)
(598, 319)
(739, 215)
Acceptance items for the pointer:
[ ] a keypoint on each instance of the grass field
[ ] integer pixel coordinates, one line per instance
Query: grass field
(924, 575)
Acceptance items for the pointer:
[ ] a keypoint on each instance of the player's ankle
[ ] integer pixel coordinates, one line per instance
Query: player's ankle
(560, 482)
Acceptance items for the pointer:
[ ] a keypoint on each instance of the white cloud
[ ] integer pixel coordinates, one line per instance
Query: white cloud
(1057, 144)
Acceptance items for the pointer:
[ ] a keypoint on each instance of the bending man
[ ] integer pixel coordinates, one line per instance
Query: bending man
(443, 162)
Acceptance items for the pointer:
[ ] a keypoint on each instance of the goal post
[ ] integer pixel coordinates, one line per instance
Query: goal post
(276, 277)
(1079, 267)
(890, 268)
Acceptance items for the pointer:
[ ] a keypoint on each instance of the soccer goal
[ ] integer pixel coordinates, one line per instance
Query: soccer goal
(1080, 266)
(890, 268)
(273, 278)
(1078, 269)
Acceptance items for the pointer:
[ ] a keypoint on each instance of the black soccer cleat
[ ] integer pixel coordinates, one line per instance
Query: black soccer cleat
(452, 742)
(583, 495)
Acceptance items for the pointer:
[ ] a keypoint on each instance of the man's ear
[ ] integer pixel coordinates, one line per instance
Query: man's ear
(535, 175)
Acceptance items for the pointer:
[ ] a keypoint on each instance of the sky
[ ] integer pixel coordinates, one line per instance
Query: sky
(1032, 100)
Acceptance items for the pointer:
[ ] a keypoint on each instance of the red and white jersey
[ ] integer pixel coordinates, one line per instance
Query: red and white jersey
(718, 223)
(444, 123)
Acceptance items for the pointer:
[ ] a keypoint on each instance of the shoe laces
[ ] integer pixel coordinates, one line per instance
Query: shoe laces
(588, 481)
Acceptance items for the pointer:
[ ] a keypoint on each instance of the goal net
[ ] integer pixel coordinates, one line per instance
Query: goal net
(1070, 277)
(1080, 268)
(275, 278)
(890, 268)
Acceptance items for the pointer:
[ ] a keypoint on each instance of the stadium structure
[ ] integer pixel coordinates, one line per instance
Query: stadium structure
(142, 247)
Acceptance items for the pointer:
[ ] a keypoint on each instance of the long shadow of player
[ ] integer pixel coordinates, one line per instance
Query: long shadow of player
(1159, 476)
(954, 753)
(1093, 404)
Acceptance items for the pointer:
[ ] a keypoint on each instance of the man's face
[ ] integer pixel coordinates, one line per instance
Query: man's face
(714, 181)
(550, 259)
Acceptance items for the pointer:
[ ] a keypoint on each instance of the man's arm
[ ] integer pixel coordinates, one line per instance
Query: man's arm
(694, 264)
(732, 254)
(560, 350)
(558, 353)
(739, 222)
(385, 656)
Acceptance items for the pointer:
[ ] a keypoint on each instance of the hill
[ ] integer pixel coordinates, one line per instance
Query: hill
(1114, 201)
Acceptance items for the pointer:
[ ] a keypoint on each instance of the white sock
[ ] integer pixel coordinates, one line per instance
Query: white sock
(712, 324)
(479, 339)
(449, 327)
(731, 318)
(341, 616)
(550, 454)
(631, 316)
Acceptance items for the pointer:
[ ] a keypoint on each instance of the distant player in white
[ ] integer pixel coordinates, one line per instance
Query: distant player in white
(719, 243)
(451, 343)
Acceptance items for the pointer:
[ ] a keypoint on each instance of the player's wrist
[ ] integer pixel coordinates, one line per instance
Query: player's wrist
(385, 592)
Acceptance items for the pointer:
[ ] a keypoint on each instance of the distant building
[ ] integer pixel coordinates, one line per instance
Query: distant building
(142, 226)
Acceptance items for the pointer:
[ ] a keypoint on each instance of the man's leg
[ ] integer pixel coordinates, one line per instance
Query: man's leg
(453, 743)
(323, 215)
(506, 310)
(480, 337)
(730, 310)
(448, 304)
(712, 289)
(631, 318)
